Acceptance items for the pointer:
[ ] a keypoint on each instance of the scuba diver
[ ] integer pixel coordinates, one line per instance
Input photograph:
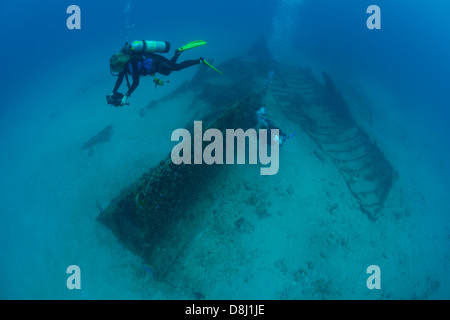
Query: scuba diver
(139, 59)
(264, 123)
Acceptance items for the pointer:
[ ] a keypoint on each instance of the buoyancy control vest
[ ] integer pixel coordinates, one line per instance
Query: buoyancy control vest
(144, 67)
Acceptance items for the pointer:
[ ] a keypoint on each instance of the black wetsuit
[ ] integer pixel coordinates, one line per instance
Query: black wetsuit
(271, 125)
(262, 122)
(160, 65)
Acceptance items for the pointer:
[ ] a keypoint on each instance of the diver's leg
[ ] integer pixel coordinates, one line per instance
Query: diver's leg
(186, 64)
(162, 65)
(166, 67)
(176, 56)
(172, 65)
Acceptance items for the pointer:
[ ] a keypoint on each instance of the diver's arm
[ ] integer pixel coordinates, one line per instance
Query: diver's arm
(135, 78)
(119, 81)
(133, 85)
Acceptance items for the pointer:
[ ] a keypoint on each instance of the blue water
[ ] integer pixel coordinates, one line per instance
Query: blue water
(47, 67)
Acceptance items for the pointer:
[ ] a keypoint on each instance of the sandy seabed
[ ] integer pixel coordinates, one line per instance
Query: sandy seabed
(296, 235)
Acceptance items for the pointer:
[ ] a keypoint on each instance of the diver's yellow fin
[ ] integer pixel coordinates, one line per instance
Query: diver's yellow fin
(193, 44)
(211, 66)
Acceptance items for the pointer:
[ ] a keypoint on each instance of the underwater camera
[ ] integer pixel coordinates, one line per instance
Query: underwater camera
(115, 99)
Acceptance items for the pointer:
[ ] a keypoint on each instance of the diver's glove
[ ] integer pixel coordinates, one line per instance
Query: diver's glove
(124, 99)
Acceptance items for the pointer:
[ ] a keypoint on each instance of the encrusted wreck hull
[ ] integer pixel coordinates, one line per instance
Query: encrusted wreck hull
(156, 216)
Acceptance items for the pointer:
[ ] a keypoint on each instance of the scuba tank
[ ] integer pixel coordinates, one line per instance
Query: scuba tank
(146, 46)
